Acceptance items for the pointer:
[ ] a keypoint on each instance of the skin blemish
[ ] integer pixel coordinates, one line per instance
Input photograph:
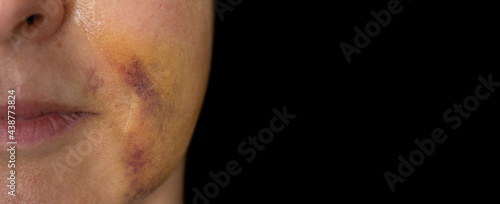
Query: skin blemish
(135, 197)
(93, 81)
(137, 161)
(138, 79)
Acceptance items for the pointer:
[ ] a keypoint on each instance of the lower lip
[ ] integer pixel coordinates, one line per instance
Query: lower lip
(42, 129)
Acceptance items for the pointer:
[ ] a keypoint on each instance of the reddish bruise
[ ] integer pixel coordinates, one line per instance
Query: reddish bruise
(138, 79)
(93, 80)
(137, 161)
(134, 197)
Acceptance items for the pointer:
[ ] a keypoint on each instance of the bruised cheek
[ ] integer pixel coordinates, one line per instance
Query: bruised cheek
(93, 80)
(144, 136)
(139, 81)
(138, 161)
(144, 68)
(134, 74)
(142, 142)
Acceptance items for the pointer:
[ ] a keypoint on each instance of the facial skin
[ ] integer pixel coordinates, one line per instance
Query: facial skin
(139, 71)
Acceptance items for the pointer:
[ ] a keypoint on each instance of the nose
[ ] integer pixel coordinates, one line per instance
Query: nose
(29, 19)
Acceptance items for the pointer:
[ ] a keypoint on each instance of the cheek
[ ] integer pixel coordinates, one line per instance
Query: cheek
(93, 81)
(144, 142)
(137, 162)
(105, 21)
(147, 61)
(138, 80)
(141, 138)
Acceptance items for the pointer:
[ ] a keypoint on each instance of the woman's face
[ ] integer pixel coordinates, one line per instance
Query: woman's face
(107, 95)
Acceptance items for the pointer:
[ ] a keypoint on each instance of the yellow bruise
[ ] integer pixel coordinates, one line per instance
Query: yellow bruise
(120, 46)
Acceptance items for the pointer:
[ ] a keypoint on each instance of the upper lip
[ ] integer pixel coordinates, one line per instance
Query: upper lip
(33, 110)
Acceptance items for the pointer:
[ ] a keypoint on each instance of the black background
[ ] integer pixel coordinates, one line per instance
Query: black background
(355, 119)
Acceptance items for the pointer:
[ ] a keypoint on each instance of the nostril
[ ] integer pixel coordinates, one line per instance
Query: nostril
(30, 20)
(34, 19)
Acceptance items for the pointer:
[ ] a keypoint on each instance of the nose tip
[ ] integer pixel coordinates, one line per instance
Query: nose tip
(29, 19)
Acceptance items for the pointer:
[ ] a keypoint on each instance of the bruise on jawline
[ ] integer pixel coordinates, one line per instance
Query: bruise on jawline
(138, 161)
